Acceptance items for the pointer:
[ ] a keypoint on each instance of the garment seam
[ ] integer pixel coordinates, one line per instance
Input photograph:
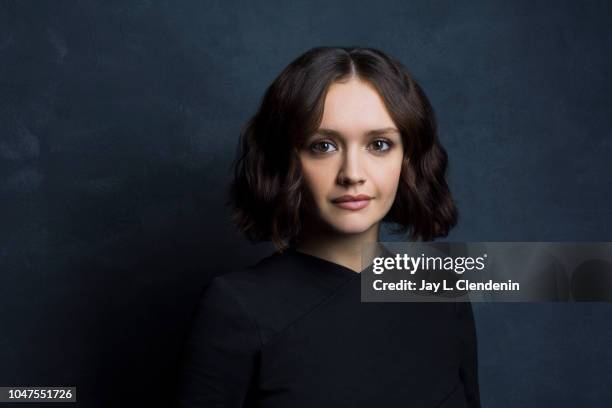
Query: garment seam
(235, 294)
(450, 393)
(318, 304)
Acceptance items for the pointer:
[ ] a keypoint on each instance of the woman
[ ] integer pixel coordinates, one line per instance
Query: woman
(344, 140)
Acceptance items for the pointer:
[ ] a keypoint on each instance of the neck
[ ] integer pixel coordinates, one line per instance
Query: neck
(343, 249)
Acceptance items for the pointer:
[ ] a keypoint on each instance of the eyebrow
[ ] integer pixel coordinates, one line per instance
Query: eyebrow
(375, 132)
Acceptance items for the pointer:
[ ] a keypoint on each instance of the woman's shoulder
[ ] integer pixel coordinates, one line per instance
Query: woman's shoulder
(284, 273)
(273, 292)
(261, 277)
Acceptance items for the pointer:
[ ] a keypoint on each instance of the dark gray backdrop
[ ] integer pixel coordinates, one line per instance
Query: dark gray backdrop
(119, 121)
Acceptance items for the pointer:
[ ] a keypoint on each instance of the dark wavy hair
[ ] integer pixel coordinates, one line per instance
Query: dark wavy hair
(267, 194)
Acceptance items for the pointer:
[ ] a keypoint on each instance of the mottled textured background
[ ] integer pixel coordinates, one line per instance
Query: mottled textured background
(119, 121)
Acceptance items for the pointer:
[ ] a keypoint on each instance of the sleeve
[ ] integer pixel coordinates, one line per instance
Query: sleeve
(468, 370)
(219, 355)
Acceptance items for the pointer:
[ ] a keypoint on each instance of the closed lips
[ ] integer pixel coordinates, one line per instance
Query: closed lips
(352, 203)
(346, 198)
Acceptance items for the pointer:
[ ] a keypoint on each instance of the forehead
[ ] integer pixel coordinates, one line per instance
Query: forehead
(354, 106)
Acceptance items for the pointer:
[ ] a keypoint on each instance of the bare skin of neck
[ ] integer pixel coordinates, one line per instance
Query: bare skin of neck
(342, 249)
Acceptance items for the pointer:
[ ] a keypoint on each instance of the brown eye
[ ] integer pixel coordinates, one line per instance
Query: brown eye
(380, 145)
(322, 147)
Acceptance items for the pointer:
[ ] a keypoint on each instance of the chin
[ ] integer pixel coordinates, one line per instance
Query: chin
(350, 227)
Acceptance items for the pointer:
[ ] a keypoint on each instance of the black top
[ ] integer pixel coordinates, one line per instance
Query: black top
(291, 331)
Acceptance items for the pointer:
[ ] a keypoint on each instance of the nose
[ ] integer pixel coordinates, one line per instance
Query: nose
(351, 171)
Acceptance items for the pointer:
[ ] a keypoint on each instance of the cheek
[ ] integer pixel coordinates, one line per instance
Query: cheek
(387, 176)
(317, 177)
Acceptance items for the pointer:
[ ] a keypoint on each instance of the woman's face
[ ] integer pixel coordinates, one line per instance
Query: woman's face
(352, 164)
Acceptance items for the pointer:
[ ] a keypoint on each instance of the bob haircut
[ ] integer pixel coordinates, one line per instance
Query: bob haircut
(267, 194)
